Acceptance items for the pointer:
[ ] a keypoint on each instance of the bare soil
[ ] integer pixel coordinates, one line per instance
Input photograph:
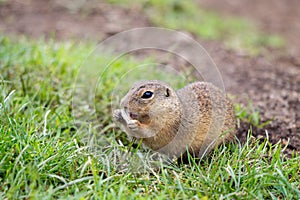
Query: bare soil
(272, 16)
(271, 82)
(66, 19)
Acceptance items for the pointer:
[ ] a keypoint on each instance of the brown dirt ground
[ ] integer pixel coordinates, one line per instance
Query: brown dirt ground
(272, 16)
(271, 82)
(66, 20)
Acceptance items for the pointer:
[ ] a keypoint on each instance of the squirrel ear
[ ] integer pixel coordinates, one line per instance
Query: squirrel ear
(167, 92)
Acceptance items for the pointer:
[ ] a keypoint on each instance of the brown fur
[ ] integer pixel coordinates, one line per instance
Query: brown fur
(198, 117)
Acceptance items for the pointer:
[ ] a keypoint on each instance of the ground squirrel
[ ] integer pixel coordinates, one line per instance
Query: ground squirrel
(198, 117)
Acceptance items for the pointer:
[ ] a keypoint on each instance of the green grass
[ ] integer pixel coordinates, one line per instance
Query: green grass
(186, 15)
(43, 154)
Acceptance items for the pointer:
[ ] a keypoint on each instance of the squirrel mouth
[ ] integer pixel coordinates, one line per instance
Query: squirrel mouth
(129, 115)
(133, 116)
(144, 119)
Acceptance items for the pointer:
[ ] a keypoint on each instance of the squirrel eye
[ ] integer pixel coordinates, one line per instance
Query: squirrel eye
(147, 95)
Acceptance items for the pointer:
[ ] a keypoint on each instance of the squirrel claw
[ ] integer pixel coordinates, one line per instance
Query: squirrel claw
(133, 125)
(117, 116)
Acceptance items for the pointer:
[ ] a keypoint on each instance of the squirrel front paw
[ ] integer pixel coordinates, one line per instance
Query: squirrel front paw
(133, 125)
(117, 115)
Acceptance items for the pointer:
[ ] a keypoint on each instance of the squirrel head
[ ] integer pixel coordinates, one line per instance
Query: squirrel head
(151, 101)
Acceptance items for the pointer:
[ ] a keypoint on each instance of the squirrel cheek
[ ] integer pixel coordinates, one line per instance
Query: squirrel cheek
(145, 119)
